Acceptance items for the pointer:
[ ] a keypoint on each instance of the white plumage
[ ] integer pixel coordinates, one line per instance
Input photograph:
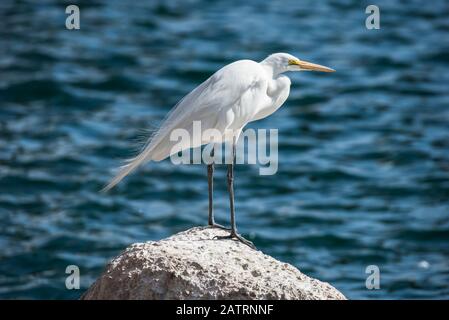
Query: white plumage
(235, 95)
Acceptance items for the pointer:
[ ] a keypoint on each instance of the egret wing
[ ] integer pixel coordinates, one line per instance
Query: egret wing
(236, 84)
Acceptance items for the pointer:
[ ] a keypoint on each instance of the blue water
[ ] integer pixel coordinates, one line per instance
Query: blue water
(363, 173)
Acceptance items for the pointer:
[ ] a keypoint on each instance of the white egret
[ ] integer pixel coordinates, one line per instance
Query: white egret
(235, 95)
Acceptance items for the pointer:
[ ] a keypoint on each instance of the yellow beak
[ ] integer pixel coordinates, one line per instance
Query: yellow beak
(311, 66)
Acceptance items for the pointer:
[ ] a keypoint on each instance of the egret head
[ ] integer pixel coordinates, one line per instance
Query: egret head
(283, 62)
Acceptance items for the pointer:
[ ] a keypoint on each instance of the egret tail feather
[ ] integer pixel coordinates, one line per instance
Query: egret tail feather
(130, 166)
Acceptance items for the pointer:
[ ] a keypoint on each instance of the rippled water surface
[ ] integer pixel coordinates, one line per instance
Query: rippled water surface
(363, 173)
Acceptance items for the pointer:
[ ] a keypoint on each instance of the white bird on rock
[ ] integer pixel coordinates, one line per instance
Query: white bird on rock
(235, 95)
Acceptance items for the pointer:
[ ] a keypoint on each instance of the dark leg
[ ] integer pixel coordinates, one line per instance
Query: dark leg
(210, 182)
(230, 178)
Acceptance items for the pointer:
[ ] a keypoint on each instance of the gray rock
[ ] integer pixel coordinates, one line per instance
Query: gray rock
(192, 265)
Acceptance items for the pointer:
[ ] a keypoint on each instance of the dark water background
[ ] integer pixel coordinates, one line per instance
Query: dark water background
(363, 153)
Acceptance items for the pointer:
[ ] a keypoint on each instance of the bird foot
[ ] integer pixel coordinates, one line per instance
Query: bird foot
(237, 237)
(219, 226)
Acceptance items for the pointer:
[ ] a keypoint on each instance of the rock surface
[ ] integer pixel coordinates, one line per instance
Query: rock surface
(193, 265)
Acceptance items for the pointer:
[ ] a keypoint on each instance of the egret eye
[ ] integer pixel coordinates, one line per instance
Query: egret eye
(292, 62)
